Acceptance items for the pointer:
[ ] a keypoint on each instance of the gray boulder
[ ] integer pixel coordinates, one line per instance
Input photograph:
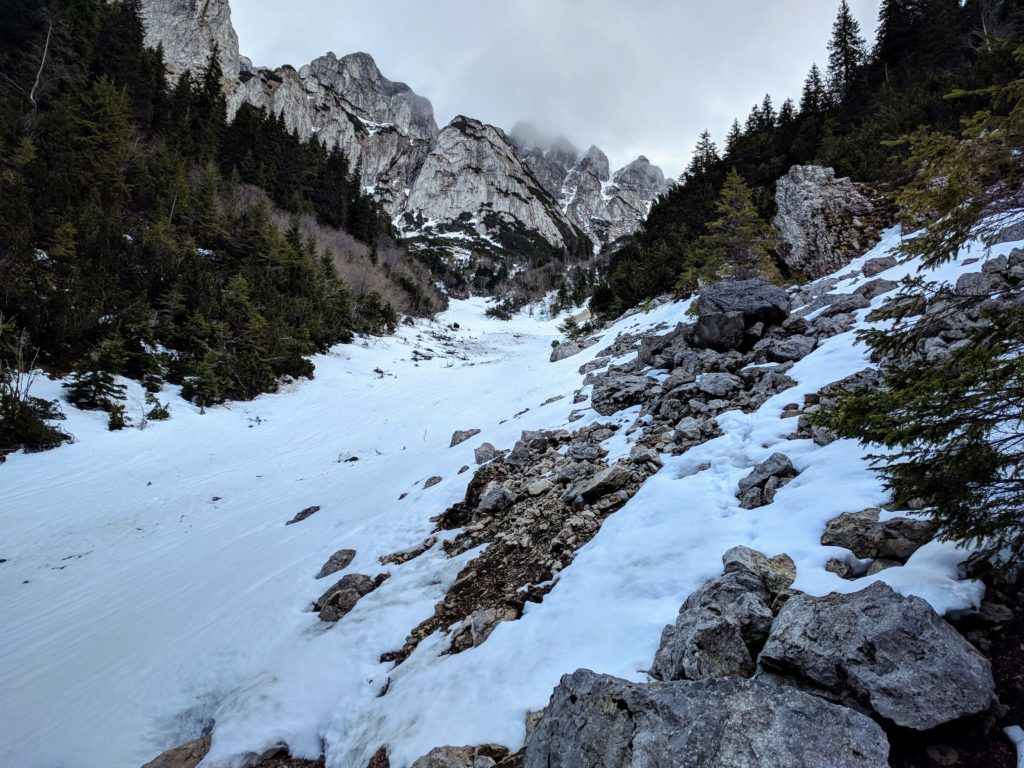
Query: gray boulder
(882, 653)
(726, 310)
(822, 221)
(614, 392)
(719, 384)
(484, 453)
(343, 596)
(718, 631)
(462, 435)
(462, 757)
(776, 465)
(603, 483)
(863, 534)
(598, 721)
(878, 265)
(337, 562)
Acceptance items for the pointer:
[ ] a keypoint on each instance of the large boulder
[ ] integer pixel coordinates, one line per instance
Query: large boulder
(866, 536)
(727, 310)
(823, 222)
(616, 391)
(718, 632)
(341, 598)
(598, 721)
(880, 652)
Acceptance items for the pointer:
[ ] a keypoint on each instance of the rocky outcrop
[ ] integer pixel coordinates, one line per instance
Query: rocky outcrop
(341, 598)
(733, 314)
(484, 756)
(880, 652)
(474, 178)
(823, 222)
(760, 486)
(189, 30)
(598, 721)
(868, 537)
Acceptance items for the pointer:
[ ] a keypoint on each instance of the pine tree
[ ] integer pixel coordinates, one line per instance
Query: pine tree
(738, 243)
(846, 53)
(93, 386)
(813, 100)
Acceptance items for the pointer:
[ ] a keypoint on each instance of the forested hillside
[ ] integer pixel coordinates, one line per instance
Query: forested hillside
(143, 234)
(850, 116)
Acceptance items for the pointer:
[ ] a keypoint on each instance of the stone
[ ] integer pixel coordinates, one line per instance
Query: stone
(338, 561)
(882, 653)
(688, 428)
(462, 757)
(878, 265)
(539, 487)
(980, 284)
(304, 514)
(794, 347)
(778, 573)
(187, 755)
(343, 596)
(863, 534)
(717, 628)
(602, 484)
(484, 453)
(846, 304)
(719, 384)
(820, 220)
(726, 310)
(599, 721)
(564, 350)
(880, 564)
(776, 465)
(431, 481)
(462, 435)
(877, 287)
(479, 626)
(613, 393)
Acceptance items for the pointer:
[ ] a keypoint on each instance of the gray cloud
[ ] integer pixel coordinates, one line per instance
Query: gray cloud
(641, 77)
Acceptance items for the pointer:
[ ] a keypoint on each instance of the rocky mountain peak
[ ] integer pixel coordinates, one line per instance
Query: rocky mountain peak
(642, 177)
(595, 161)
(189, 30)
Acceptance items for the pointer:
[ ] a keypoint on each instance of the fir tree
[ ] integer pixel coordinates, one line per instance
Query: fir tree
(846, 53)
(813, 99)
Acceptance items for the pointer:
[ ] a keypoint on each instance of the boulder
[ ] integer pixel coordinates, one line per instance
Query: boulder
(602, 484)
(718, 630)
(479, 626)
(343, 596)
(337, 562)
(776, 465)
(877, 287)
(719, 384)
(726, 310)
(484, 453)
(187, 755)
(304, 514)
(599, 721)
(822, 221)
(462, 435)
(614, 392)
(880, 652)
(462, 757)
(794, 347)
(866, 536)
(431, 481)
(564, 350)
(778, 573)
(878, 265)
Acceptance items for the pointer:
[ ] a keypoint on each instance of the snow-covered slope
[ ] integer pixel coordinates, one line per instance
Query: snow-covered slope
(151, 585)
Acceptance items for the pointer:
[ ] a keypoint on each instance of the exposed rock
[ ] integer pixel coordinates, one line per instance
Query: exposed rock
(462, 435)
(412, 553)
(188, 755)
(877, 287)
(343, 596)
(863, 534)
(484, 453)
(759, 487)
(479, 626)
(472, 172)
(778, 573)
(565, 350)
(883, 653)
(188, 31)
(794, 347)
(717, 628)
(307, 512)
(615, 392)
(603, 483)
(462, 757)
(719, 384)
(431, 481)
(726, 310)
(822, 221)
(598, 721)
(878, 265)
(338, 561)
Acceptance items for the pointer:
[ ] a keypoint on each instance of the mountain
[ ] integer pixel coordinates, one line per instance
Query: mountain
(468, 184)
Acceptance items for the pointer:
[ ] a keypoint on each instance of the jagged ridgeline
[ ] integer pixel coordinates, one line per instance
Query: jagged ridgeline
(140, 229)
(849, 117)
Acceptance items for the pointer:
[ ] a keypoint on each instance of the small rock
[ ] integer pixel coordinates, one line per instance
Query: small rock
(877, 265)
(432, 481)
(188, 755)
(462, 435)
(603, 483)
(776, 465)
(307, 512)
(540, 487)
(484, 453)
(337, 562)
(343, 596)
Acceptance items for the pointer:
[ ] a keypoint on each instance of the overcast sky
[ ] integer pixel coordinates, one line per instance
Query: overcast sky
(632, 76)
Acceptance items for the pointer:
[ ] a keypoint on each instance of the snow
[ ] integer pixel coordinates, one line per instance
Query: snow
(151, 585)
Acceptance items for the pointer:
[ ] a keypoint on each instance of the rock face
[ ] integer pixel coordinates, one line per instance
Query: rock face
(598, 721)
(188, 30)
(822, 221)
(882, 653)
(729, 310)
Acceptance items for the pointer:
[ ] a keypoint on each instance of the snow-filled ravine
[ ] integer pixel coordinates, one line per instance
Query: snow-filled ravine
(151, 586)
